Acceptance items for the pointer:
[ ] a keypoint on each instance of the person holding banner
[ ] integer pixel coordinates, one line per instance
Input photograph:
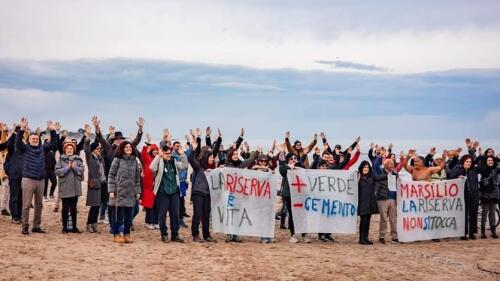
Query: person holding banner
(166, 190)
(297, 148)
(386, 181)
(367, 200)
(488, 191)
(262, 164)
(200, 160)
(471, 193)
(289, 162)
(233, 161)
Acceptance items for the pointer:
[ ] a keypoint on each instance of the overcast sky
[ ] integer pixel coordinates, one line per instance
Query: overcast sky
(380, 69)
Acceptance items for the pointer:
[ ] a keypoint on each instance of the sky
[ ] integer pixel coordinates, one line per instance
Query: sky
(384, 70)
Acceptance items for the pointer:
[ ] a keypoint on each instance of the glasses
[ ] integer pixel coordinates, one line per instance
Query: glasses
(293, 158)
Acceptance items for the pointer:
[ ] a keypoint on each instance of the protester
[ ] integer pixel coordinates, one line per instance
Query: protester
(96, 179)
(367, 201)
(13, 167)
(262, 164)
(148, 153)
(69, 170)
(50, 175)
(124, 187)
(200, 159)
(179, 154)
(471, 193)
(166, 189)
(488, 194)
(386, 192)
(297, 148)
(33, 173)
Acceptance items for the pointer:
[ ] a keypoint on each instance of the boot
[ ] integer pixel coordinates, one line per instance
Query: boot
(94, 227)
(494, 233)
(118, 239)
(25, 230)
(89, 228)
(127, 239)
(483, 232)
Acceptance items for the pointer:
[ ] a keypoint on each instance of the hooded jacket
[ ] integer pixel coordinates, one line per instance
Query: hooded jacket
(69, 179)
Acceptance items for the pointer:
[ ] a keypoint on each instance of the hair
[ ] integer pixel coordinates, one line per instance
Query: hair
(166, 148)
(464, 158)
(176, 142)
(120, 150)
(362, 165)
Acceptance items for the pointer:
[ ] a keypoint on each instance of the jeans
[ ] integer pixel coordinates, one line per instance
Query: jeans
(201, 212)
(69, 205)
(16, 199)
(471, 207)
(283, 213)
(123, 216)
(168, 204)
(287, 202)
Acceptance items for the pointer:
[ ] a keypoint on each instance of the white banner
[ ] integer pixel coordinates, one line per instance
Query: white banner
(242, 201)
(430, 210)
(324, 201)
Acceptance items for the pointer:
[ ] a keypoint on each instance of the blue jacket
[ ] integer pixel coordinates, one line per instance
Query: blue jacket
(13, 165)
(34, 156)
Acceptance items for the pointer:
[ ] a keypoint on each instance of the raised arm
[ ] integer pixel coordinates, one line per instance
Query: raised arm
(439, 168)
(107, 147)
(353, 145)
(138, 137)
(20, 146)
(313, 143)
(239, 141)
(289, 146)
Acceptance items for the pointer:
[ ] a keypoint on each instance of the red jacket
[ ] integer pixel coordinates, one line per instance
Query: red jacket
(148, 197)
(352, 161)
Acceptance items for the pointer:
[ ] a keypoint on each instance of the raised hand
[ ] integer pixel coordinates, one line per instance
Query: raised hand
(208, 131)
(322, 135)
(468, 143)
(315, 136)
(57, 126)
(95, 121)
(3, 126)
(88, 130)
(242, 133)
(197, 132)
(281, 147)
(140, 123)
(358, 139)
(112, 130)
(219, 134)
(148, 138)
(287, 134)
(433, 151)
(50, 125)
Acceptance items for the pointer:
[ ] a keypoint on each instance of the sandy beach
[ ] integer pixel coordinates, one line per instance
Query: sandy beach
(56, 256)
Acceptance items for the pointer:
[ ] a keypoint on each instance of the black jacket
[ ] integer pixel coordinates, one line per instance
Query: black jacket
(471, 188)
(367, 201)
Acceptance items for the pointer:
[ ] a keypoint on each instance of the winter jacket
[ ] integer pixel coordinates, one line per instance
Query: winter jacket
(96, 179)
(69, 179)
(198, 178)
(488, 185)
(147, 196)
(302, 153)
(471, 187)
(34, 156)
(124, 180)
(14, 161)
(367, 200)
(158, 165)
(382, 185)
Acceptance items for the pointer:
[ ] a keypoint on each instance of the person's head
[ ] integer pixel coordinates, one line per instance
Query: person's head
(419, 162)
(234, 155)
(167, 153)
(330, 159)
(322, 165)
(124, 149)
(34, 139)
(153, 150)
(95, 148)
(118, 138)
(490, 161)
(262, 160)
(489, 152)
(69, 148)
(341, 157)
(325, 155)
(466, 161)
(388, 165)
(221, 147)
(437, 162)
(393, 157)
(297, 145)
(177, 146)
(291, 158)
(338, 148)
(364, 168)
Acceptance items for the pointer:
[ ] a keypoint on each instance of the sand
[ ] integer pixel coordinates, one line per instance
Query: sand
(56, 256)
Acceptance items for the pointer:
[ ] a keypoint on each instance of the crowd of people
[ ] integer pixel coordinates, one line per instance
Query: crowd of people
(121, 178)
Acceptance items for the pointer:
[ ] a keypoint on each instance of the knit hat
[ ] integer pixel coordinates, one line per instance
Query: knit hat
(94, 146)
(69, 144)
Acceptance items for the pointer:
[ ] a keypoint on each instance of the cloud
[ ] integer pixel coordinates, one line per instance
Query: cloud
(339, 64)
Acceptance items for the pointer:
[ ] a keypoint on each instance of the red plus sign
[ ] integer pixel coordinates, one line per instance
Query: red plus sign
(298, 184)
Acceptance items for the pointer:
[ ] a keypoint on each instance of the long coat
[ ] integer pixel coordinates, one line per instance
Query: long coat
(95, 182)
(70, 179)
(367, 201)
(124, 180)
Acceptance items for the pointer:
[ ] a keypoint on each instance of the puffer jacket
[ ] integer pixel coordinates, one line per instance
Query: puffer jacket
(124, 180)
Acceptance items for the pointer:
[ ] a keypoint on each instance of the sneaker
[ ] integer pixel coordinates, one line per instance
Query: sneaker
(16, 221)
(293, 239)
(197, 239)
(306, 239)
(76, 230)
(118, 239)
(127, 239)
(494, 236)
(89, 228)
(381, 240)
(397, 241)
(5, 213)
(177, 239)
(64, 231)
(94, 228)
(156, 226)
(323, 239)
(164, 239)
(472, 237)
(210, 240)
(25, 230)
(150, 226)
(237, 239)
(38, 230)
(464, 238)
(52, 198)
(45, 199)
(329, 238)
